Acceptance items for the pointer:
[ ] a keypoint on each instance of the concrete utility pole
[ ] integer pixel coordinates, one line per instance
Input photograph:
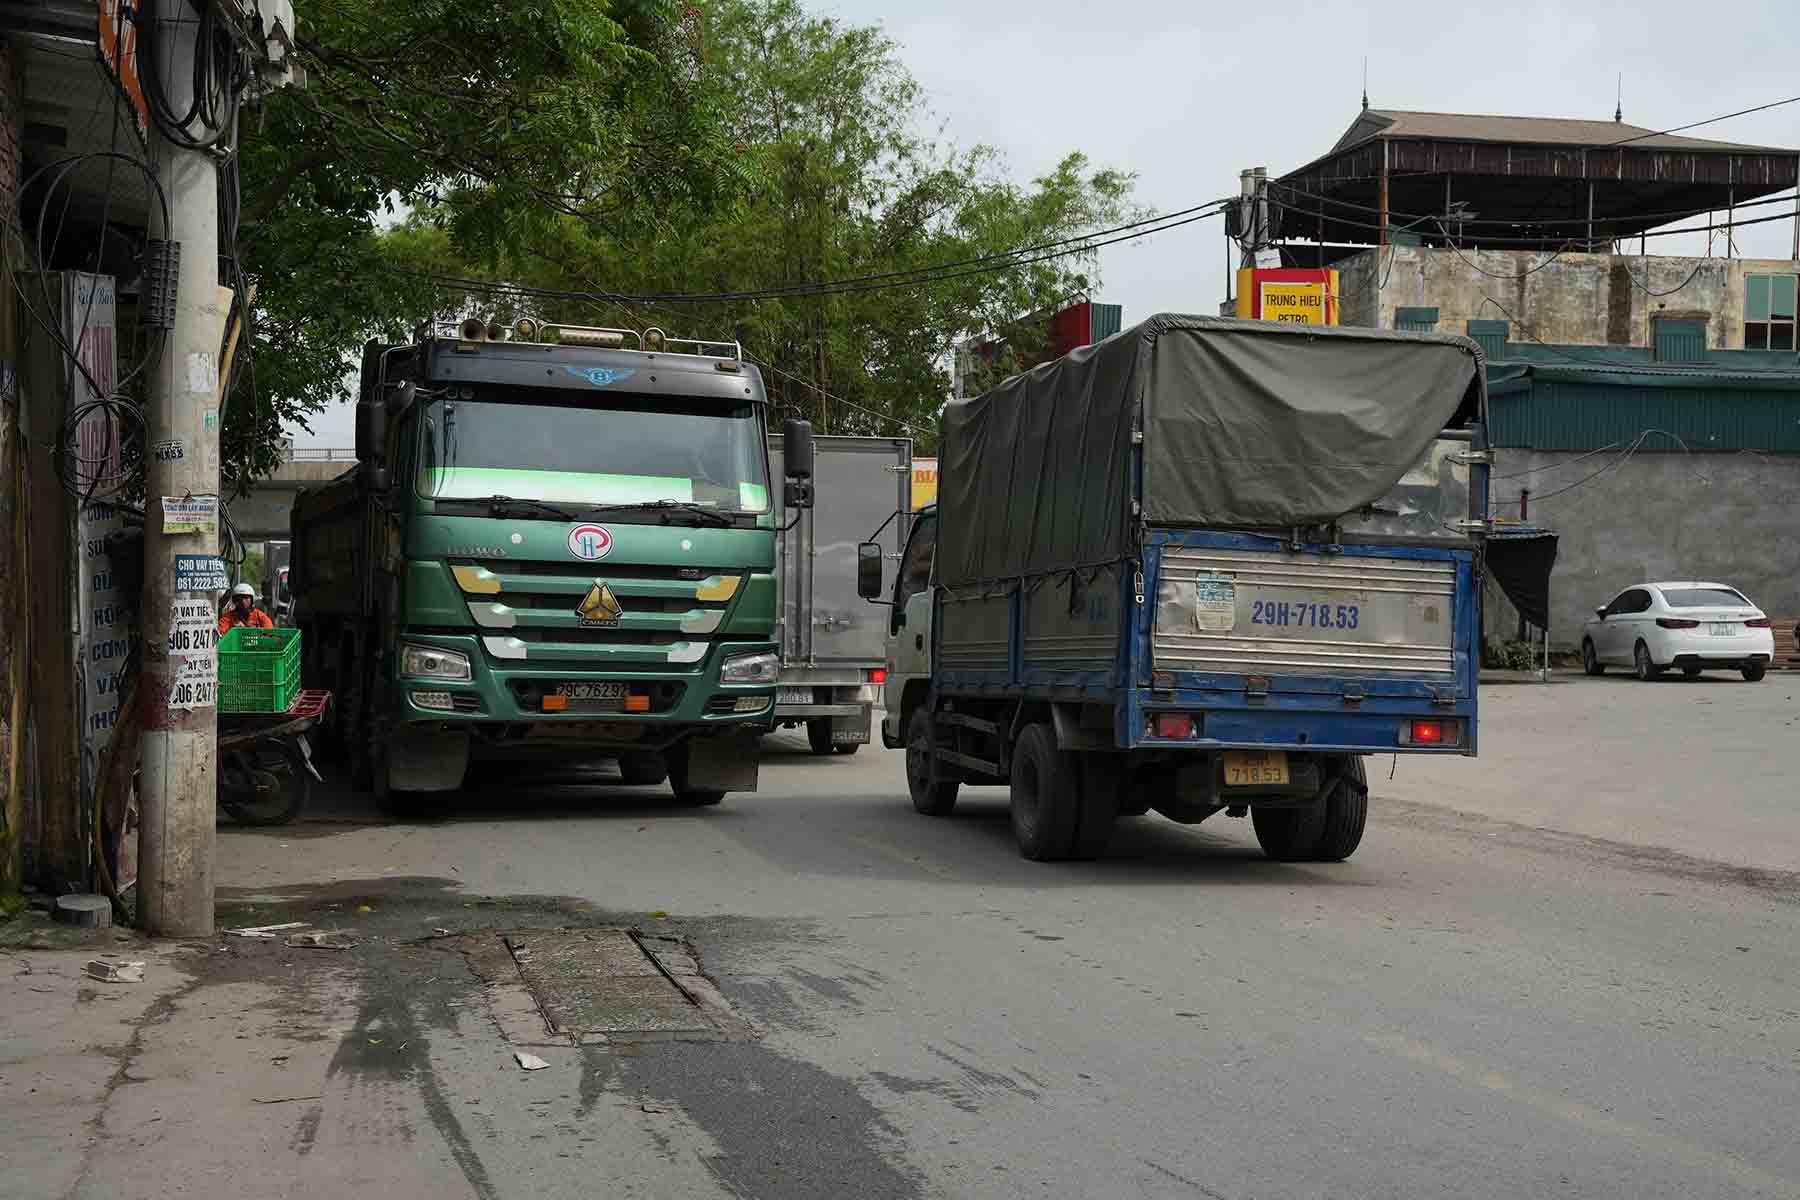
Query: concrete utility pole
(176, 795)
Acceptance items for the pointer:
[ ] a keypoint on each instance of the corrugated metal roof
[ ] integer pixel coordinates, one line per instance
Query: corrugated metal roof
(1590, 408)
(1539, 131)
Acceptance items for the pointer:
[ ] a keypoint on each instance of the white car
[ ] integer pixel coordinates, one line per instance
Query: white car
(1689, 626)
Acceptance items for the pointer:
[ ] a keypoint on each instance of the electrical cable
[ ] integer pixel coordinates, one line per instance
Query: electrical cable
(922, 277)
(1507, 222)
(1541, 243)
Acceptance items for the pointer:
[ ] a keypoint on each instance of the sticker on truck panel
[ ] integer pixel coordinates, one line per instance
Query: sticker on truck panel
(602, 376)
(590, 542)
(1215, 604)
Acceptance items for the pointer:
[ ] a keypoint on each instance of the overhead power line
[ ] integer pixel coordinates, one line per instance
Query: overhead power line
(889, 281)
(1742, 112)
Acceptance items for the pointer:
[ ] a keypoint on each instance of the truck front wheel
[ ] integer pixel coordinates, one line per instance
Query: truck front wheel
(642, 768)
(930, 796)
(685, 792)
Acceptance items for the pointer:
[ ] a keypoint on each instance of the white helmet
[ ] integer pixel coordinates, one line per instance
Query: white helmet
(244, 589)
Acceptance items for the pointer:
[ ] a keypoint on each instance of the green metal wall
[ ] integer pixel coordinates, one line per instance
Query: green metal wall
(1552, 414)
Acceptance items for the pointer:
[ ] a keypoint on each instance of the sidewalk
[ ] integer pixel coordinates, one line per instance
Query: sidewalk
(277, 1071)
(70, 1043)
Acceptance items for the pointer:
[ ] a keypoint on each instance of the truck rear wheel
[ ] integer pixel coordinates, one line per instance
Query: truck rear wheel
(1290, 834)
(1346, 812)
(931, 796)
(1046, 795)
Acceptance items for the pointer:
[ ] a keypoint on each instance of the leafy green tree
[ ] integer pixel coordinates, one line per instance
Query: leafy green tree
(502, 120)
(837, 181)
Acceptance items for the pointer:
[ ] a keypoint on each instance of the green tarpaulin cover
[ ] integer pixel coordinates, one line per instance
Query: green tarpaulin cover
(1246, 425)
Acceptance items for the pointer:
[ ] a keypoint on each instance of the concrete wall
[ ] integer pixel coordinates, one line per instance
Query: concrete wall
(1578, 299)
(1728, 517)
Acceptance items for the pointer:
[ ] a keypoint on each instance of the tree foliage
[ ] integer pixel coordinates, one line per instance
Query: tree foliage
(838, 178)
(501, 120)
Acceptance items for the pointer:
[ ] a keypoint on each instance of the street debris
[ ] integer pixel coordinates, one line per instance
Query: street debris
(110, 968)
(324, 939)
(530, 1062)
(653, 1109)
(284, 1099)
(266, 931)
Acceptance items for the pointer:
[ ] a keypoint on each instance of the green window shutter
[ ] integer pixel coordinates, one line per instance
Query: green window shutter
(1416, 320)
(1781, 296)
(1756, 298)
(1680, 341)
(1492, 335)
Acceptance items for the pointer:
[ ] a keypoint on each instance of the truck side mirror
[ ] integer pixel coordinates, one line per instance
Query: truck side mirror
(373, 478)
(868, 570)
(797, 449)
(371, 430)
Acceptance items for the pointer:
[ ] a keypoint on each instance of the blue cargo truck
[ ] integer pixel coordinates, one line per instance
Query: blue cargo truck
(1205, 566)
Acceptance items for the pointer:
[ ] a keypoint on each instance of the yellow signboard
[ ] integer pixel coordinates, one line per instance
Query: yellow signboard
(1294, 303)
(1290, 295)
(924, 482)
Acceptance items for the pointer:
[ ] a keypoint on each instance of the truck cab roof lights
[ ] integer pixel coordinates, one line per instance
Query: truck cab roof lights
(472, 331)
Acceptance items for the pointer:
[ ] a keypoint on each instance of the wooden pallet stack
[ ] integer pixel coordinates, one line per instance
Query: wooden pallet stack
(1787, 644)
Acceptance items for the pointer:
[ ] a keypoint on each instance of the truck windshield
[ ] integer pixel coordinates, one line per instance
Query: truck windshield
(629, 451)
(1426, 503)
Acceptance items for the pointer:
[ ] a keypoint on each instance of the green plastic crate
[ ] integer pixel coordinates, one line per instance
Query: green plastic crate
(259, 670)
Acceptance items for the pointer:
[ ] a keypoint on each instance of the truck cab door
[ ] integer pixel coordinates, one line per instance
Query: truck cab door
(909, 621)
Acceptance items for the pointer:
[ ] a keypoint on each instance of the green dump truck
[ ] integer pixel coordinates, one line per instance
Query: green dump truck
(558, 542)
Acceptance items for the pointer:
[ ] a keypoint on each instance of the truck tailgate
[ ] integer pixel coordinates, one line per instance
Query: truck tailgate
(1276, 612)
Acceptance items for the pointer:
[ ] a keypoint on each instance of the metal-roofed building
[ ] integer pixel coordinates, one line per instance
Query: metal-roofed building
(1519, 182)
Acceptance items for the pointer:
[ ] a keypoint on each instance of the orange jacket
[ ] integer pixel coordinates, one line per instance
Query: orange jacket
(258, 619)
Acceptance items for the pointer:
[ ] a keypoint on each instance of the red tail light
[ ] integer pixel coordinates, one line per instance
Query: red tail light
(1759, 623)
(878, 675)
(1174, 725)
(1677, 623)
(1428, 733)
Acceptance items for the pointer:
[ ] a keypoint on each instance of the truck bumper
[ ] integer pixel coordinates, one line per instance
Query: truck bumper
(502, 706)
(1299, 722)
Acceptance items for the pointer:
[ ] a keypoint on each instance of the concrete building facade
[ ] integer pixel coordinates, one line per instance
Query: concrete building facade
(1574, 298)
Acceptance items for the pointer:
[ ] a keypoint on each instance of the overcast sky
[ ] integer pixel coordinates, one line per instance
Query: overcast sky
(1188, 92)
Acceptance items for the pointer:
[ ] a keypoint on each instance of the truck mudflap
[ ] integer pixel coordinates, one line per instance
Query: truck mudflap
(725, 764)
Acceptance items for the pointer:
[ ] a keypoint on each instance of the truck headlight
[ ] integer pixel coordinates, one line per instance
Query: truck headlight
(751, 668)
(429, 662)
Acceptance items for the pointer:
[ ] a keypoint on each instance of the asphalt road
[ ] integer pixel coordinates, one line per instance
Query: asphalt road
(1520, 986)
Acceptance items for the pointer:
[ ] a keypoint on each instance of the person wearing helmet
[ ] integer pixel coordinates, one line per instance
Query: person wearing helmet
(243, 611)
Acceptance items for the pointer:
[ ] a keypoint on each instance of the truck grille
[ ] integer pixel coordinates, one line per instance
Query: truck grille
(535, 610)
